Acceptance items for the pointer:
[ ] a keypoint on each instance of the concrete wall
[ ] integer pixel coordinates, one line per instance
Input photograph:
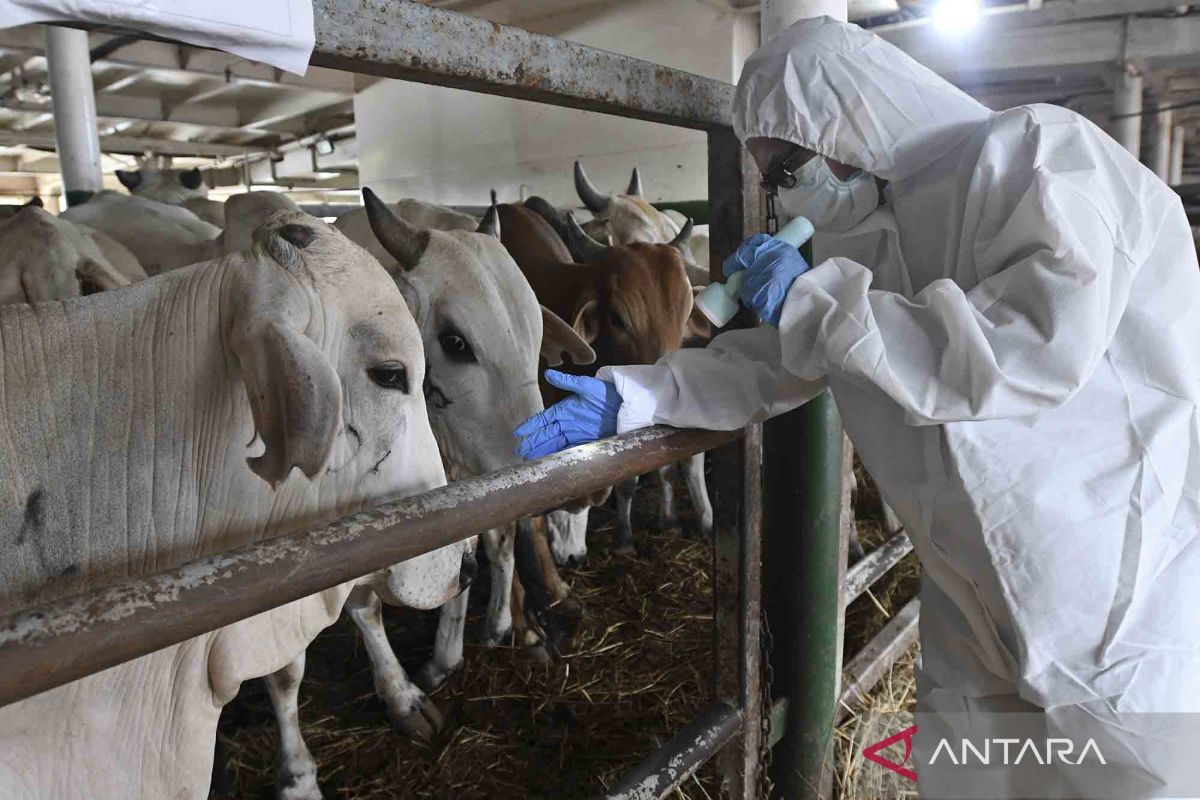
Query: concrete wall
(451, 146)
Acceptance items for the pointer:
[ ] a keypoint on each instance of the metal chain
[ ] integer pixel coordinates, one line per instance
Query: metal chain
(767, 644)
(772, 215)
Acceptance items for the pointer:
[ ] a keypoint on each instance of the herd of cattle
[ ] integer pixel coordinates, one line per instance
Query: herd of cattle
(167, 361)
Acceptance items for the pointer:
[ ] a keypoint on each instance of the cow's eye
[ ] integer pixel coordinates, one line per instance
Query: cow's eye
(390, 376)
(616, 320)
(456, 347)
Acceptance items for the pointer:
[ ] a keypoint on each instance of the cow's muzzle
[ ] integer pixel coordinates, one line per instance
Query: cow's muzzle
(466, 573)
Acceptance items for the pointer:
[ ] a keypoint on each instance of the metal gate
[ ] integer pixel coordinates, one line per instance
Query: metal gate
(793, 492)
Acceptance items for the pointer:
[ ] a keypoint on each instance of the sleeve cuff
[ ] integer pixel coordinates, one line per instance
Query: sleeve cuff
(638, 403)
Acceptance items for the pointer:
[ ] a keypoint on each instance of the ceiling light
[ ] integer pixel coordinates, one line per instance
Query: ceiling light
(956, 16)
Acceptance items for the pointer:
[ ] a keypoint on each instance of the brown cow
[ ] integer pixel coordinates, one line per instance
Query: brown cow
(631, 303)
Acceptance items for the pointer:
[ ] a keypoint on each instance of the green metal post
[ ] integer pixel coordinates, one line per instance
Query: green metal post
(804, 569)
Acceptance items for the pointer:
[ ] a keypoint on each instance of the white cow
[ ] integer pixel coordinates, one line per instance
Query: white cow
(483, 333)
(10, 210)
(162, 237)
(117, 254)
(46, 258)
(176, 187)
(628, 218)
(164, 422)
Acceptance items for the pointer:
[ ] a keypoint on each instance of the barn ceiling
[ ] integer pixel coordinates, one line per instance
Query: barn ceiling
(207, 107)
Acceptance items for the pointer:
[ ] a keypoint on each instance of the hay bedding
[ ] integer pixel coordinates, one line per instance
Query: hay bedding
(640, 669)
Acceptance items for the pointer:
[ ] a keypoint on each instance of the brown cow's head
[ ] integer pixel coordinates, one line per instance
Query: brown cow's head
(638, 307)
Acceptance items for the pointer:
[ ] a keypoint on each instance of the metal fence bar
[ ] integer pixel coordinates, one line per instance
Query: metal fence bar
(678, 759)
(868, 667)
(803, 475)
(736, 213)
(421, 43)
(875, 565)
(51, 645)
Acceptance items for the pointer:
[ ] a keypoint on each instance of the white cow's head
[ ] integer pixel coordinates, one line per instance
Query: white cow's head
(628, 218)
(43, 258)
(332, 364)
(171, 186)
(247, 211)
(483, 331)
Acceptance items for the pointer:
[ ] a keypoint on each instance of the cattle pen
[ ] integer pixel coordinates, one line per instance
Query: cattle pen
(779, 545)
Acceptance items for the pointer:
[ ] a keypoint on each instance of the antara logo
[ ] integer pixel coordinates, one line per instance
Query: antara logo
(872, 753)
(1061, 749)
(1051, 751)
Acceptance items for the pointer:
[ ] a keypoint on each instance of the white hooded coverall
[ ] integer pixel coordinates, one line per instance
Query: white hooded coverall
(1013, 342)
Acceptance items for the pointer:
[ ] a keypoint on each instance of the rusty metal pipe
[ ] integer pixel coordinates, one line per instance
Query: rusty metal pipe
(875, 565)
(48, 646)
(679, 758)
(869, 666)
(416, 42)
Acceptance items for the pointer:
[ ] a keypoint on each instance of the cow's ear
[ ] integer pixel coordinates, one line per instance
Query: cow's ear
(697, 325)
(191, 179)
(100, 275)
(559, 338)
(295, 397)
(587, 321)
(130, 180)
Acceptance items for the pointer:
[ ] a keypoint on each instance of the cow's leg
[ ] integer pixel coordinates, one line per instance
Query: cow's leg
(409, 710)
(668, 515)
(524, 636)
(499, 544)
(562, 543)
(296, 776)
(693, 474)
(624, 492)
(448, 644)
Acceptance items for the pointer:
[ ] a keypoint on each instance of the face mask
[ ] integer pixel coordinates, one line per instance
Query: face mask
(829, 203)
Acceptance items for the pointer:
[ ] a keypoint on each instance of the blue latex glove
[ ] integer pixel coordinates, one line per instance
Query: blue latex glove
(587, 415)
(771, 266)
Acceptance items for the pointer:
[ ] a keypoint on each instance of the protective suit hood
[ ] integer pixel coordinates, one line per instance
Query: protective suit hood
(846, 93)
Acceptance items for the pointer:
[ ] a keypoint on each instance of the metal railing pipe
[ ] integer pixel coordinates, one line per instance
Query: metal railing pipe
(679, 758)
(417, 42)
(873, 661)
(50, 645)
(875, 565)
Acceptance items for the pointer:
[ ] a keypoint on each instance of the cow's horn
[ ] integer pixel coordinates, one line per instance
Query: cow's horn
(405, 242)
(681, 239)
(635, 184)
(491, 222)
(593, 200)
(582, 247)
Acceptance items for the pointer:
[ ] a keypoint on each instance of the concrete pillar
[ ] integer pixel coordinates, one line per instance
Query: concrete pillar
(1160, 153)
(776, 15)
(73, 100)
(1126, 125)
(1175, 173)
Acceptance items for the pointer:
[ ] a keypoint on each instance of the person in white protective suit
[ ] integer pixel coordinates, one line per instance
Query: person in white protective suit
(1013, 341)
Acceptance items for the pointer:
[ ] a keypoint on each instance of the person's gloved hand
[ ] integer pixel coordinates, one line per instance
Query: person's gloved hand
(589, 414)
(771, 266)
